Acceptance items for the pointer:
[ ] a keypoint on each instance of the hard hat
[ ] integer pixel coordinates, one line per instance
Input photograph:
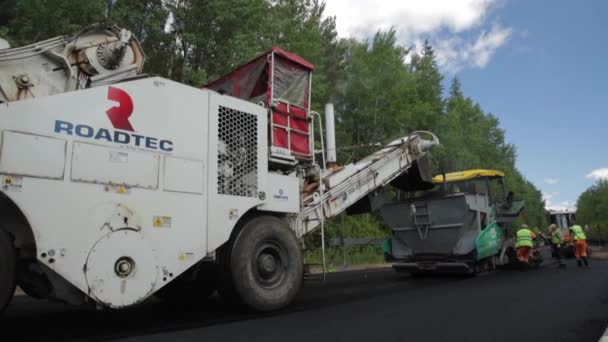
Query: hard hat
(553, 225)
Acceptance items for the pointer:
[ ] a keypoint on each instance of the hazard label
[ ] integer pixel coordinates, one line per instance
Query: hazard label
(117, 189)
(162, 222)
(185, 256)
(12, 183)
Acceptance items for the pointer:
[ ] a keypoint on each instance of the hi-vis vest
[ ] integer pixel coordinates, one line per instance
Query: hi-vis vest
(524, 238)
(579, 234)
(556, 237)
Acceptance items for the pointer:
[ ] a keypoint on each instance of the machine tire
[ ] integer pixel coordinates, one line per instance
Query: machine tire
(226, 288)
(266, 265)
(8, 267)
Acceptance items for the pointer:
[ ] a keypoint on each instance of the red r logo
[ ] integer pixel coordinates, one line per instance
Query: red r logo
(119, 115)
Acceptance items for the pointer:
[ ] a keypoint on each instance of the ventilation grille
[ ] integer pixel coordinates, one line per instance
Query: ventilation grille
(237, 153)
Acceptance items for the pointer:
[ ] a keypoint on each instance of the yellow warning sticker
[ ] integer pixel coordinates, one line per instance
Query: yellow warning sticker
(185, 256)
(117, 189)
(12, 183)
(162, 222)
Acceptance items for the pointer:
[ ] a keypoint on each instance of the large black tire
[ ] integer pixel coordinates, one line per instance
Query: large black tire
(265, 265)
(8, 266)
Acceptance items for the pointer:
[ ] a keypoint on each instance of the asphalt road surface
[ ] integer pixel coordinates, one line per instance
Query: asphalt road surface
(548, 304)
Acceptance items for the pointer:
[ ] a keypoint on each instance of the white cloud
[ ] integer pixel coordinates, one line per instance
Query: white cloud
(565, 205)
(551, 180)
(548, 196)
(487, 43)
(359, 18)
(550, 202)
(451, 25)
(455, 53)
(598, 174)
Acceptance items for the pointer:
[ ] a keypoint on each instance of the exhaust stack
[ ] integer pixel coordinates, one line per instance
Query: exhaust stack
(330, 132)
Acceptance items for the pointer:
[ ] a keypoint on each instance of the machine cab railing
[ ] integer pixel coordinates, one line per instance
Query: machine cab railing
(281, 81)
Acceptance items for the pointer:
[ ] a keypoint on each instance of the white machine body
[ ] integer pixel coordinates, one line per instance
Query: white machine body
(82, 184)
(124, 185)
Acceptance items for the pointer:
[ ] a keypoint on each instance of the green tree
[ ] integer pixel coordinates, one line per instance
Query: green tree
(378, 93)
(147, 21)
(7, 11)
(592, 205)
(214, 36)
(429, 105)
(35, 20)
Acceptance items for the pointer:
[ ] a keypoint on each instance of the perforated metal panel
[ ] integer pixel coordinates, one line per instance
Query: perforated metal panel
(237, 153)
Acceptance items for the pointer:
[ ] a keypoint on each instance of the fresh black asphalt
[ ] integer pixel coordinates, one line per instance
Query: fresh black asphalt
(547, 304)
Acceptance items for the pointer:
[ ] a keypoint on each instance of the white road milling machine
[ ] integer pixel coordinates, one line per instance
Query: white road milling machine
(116, 186)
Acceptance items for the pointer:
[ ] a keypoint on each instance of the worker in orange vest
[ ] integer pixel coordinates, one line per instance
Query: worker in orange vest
(580, 245)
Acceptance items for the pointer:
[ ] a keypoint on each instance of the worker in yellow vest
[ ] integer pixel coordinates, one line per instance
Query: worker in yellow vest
(557, 239)
(580, 245)
(524, 243)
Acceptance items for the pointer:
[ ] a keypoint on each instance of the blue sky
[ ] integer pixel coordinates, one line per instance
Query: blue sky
(548, 85)
(540, 66)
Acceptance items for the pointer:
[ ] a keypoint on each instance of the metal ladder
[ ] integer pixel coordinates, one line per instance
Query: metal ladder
(422, 219)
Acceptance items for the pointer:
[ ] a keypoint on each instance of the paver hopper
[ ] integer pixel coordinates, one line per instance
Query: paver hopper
(462, 224)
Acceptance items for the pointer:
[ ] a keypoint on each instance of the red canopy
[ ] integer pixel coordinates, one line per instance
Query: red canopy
(281, 80)
(292, 57)
(285, 75)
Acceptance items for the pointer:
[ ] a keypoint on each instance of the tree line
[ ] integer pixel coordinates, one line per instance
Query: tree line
(377, 95)
(591, 208)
